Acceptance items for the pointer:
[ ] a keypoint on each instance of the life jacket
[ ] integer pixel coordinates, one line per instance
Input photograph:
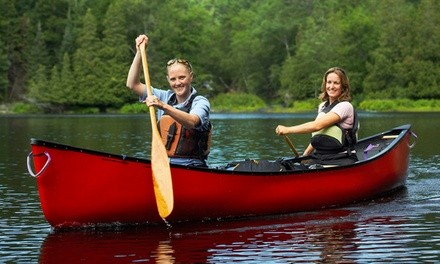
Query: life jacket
(180, 141)
(335, 139)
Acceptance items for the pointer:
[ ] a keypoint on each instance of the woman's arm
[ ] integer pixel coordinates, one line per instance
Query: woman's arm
(187, 120)
(319, 123)
(133, 78)
(308, 150)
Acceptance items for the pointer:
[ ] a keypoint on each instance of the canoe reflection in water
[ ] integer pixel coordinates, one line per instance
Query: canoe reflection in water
(331, 236)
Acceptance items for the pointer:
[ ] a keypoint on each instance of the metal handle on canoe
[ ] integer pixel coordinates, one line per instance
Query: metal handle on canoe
(44, 167)
(415, 139)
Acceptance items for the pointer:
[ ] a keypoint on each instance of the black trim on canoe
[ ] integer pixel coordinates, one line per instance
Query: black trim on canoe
(399, 132)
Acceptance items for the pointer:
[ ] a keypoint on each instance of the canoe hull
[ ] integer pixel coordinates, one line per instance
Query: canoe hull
(83, 187)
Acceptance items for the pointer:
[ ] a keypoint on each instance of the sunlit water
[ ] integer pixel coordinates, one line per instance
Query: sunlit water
(401, 228)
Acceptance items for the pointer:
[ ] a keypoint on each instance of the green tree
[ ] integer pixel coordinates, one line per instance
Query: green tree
(359, 36)
(38, 86)
(4, 66)
(261, 37)
(216, 62)
(87, 66)
(395, 40)
(77, 53)
(116, 56)
(68, 42)
(37, 52)
(143, 18)
(241, 64)
(56, 97)
(10, 33)
(301, 74)
(68, 82)
(50, 16)
(420, 67)
(335, 34)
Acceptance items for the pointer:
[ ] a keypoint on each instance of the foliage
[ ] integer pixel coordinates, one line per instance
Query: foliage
(406, 62)
(4, 65)
(308, 105)
(134, 109)
(88, 68)
(65, 54)
(24, 108)
(384, 105)
(237, 102)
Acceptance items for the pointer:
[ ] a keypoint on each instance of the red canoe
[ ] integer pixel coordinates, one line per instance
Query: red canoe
(80, 187)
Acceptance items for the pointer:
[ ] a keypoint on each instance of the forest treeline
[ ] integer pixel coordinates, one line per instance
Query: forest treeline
(63, 54)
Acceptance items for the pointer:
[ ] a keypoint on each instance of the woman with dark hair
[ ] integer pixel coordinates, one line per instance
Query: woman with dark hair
(334, 129)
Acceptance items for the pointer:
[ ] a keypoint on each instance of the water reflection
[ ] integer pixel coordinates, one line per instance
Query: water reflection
(331, 236)
(403, 228)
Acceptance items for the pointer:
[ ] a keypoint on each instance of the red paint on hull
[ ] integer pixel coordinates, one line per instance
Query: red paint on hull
(84, 187)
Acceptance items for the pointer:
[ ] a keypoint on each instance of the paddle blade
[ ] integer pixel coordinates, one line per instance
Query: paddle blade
(163, 185)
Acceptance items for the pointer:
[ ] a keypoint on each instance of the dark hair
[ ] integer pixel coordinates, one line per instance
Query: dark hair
(345, 85)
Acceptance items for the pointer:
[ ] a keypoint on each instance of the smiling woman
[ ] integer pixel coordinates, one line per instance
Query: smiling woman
(183, 115)
(334, 129)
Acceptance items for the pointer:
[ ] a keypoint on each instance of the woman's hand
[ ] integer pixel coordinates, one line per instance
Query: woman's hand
(281, 130)
(140, 39)
(154, 101)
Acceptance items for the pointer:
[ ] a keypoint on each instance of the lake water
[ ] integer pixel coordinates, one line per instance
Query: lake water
(400, 228)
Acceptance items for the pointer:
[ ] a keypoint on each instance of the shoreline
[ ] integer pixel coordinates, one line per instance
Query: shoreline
(371, 106)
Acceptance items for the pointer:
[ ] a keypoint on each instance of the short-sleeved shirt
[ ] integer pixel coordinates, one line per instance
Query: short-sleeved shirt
(345, 111)
(200, 106)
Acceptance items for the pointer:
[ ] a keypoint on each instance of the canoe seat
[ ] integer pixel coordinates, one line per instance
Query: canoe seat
(371, 148)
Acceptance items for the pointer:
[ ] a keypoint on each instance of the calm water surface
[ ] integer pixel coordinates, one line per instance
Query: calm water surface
(401, 228)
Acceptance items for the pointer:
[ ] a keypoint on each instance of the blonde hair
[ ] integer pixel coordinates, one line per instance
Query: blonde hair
(184, 62)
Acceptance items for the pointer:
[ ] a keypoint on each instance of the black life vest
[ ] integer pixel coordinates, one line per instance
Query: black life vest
(335, 139)
(180, 141)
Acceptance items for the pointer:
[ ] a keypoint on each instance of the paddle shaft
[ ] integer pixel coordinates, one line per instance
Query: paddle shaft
(289, 142)
(160, 166)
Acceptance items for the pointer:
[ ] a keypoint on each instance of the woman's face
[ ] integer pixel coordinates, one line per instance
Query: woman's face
(333, 86)
(180, 79)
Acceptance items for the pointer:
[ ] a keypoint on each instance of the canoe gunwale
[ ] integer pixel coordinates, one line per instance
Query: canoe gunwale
(404, 129)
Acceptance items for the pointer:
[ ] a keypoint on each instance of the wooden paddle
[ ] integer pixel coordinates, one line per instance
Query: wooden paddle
(160, 166)
(289, 142)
